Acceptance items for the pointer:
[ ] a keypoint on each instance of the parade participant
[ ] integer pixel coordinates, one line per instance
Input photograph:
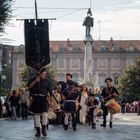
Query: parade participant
(83, 97)
(39, 88)
(70, 95)
(98, 96)
(92, 106)
(78, 100)
(56, 106)
(109, 92)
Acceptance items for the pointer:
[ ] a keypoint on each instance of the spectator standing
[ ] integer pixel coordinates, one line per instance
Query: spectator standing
(14, 102)
(123, 105)
(24, 99)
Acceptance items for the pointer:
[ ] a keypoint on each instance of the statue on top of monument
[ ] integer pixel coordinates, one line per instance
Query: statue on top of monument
(88, 22)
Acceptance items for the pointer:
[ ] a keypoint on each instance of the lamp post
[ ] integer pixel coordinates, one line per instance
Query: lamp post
(0, 77)
(3, 78)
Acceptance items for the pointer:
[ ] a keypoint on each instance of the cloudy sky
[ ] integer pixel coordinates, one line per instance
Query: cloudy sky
(119, 19)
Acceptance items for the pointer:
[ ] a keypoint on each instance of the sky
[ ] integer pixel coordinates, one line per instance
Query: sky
(119, 19)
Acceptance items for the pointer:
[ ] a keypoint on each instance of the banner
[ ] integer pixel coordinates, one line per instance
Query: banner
(37, 52)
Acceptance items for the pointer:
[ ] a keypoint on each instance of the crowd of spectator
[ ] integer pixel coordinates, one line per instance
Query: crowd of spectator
(15, 105)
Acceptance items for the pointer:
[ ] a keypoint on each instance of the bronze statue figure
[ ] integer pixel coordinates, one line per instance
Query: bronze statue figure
(88, 22)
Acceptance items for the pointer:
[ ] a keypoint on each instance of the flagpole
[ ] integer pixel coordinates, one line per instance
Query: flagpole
(36, 15)
(90, 4)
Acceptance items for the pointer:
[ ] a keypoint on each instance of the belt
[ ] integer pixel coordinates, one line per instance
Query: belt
(38, 95)
(71, 101)
(92, 106)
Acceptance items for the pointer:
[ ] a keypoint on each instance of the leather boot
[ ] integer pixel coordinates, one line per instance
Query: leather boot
(104, 124)
(65, 127)
(38, 134)
(74, 128)
(110, 125)
(94, 126)
(44, 130)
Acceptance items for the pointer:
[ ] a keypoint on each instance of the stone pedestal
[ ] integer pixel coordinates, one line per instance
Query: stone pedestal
(88, 60)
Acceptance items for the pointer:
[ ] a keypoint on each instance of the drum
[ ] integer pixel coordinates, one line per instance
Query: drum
(51, 115)
(113, 106)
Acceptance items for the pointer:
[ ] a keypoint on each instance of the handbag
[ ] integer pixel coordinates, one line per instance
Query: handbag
(51, 115)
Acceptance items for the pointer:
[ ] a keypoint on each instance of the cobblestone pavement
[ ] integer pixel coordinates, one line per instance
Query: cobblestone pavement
(124, 129)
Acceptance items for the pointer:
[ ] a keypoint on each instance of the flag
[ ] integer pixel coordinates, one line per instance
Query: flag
(37, 52)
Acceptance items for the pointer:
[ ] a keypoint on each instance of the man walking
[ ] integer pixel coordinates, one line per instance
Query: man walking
(70, 95)
(39, 88)
(109, 92)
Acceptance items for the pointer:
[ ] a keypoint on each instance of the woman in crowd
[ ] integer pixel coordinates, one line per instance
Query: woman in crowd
(56, 99)
(84, 96)
(24, 100)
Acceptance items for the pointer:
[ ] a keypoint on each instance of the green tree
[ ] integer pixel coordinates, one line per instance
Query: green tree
(3, 92)
(28, 73)
(5, 12)
(129, 83)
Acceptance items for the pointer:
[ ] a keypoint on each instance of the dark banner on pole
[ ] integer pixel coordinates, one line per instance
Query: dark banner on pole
(37, 52)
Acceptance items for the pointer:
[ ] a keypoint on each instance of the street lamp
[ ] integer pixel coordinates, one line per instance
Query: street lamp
(2, 77)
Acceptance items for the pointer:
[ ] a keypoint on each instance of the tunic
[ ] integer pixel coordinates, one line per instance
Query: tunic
(39, 93)
(70, 95)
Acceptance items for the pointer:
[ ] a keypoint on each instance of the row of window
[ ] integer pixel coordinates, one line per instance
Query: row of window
(75, 63)
(61, 62)
(76, 48)
(116, 48)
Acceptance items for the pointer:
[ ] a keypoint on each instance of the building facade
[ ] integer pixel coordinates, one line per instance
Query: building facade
(110, 58)
(17, 65)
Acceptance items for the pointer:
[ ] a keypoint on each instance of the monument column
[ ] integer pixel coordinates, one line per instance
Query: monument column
(88, 40)
(88, 61)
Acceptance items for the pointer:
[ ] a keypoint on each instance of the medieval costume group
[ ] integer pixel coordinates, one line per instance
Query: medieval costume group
(70, 103)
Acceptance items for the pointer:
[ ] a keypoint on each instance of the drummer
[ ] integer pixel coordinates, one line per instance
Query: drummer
(109, 92)
(70, 95)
